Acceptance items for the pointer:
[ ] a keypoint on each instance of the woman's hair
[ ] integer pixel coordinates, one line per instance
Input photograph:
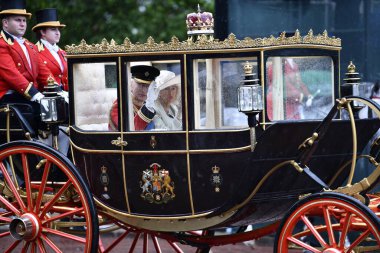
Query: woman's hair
(38, 32)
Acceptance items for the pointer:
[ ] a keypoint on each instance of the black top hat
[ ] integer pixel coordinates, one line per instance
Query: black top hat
(14, 7)
(47, 18)
(144, 73)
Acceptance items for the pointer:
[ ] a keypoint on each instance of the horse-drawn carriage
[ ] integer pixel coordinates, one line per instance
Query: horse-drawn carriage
(252, 150)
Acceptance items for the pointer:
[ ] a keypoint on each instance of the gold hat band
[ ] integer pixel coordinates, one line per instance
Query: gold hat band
(21, 12)
(48, 24)
(142, 81)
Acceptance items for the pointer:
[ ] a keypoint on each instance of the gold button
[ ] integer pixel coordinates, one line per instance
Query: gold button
(45, 62)
(19, 64)
(60, 76)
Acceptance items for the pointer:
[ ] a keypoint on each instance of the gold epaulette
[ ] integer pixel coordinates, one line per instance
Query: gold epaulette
(40, 46)
(8, 40)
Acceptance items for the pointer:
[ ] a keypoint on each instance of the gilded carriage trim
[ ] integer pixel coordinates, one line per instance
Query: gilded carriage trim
(263, 87)
(198, 131)
(187, 137)
(236, 50)
(259, 184)
(147, 152)
(166, 223)
(202, 131)
(81, 131)
(230, 42)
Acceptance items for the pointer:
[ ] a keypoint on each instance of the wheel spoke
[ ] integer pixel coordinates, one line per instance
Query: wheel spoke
(314, 231)
(41, 245)
(65, 235)
(25, 247)
(12, 187)
(156, 244)
(70, 213)
(5, 234)
(358, 240)
(55, 198)
(116, 242)
(33, 249)
(145, 243)
(345, 228)
(175, 247)
(42, 186)
(51, 243)
(303, 245)
(6, 219)
(28, 188)
(12, 247)
(131, 249)
(329, 227)
(9, 205)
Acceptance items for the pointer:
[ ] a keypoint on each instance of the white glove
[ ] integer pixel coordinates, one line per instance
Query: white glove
(152, 96)
(37, 97)
(65, 95)
(309, 100)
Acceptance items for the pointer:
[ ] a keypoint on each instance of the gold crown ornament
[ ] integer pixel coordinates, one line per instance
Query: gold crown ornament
(200, 23)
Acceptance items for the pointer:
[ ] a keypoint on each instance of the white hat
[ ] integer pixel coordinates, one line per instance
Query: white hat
(166, 79)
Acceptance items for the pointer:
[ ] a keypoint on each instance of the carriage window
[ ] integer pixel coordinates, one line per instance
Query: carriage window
(215, 92)
(160, 108)
(95, 91)
(299, 87)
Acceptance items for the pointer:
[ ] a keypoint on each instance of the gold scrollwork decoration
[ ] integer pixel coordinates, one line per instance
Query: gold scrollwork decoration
(203, 43)
(118, 142)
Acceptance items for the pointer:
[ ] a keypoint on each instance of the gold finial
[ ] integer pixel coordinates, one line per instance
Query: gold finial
(351, 68)
(247, 68)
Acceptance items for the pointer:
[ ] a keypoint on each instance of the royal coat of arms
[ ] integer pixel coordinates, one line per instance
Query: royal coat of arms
(156, 184)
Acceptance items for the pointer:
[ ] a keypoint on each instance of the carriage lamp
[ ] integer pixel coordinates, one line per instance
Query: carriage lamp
(352, 86)
(53, 108)
(250, 100)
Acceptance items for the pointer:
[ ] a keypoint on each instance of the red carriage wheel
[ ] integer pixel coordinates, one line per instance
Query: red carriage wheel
(131, 239)
(329, 223)
(44, 202)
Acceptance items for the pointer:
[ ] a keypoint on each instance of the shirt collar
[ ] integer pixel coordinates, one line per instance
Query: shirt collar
(19, 40)
(49, 46)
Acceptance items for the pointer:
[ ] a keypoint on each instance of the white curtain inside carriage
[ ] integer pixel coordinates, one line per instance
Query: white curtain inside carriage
(94, 94)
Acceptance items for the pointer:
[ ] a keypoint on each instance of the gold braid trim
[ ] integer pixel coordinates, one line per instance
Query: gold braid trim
(26, 93)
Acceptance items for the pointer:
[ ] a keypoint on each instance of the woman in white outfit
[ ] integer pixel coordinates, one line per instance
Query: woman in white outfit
(163, 99)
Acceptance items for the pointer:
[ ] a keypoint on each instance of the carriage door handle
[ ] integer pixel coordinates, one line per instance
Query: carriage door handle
(119, 142)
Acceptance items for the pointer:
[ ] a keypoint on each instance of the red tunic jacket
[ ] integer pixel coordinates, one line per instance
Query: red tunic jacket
(15, 72)
(52, 64)
(142, 117)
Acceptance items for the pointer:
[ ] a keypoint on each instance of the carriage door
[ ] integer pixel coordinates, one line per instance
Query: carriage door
(155, 160)
(94, 91)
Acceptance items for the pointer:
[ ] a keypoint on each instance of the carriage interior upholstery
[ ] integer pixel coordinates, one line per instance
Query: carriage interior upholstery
(93, 99)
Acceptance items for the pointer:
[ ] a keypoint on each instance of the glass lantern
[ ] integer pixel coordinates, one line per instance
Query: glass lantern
(250, 98)
(53, 106)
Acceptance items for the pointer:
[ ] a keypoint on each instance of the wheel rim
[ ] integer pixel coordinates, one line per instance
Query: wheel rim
(40, 195)
(329, 225)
